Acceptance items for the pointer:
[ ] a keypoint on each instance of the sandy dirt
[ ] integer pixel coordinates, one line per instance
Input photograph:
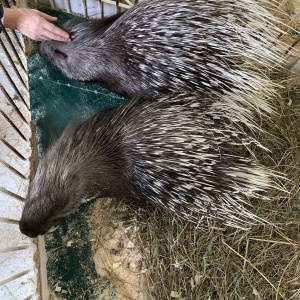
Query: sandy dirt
(116, 254)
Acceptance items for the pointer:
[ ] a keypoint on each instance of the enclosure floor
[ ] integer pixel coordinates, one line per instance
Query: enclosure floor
(54, 101)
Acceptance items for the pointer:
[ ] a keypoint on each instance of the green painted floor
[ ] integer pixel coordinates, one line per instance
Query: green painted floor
(55, 100)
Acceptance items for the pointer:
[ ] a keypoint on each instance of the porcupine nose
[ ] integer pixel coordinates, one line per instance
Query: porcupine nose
(27, 229)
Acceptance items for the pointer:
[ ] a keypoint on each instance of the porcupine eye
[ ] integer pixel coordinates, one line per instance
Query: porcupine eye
(60, 53)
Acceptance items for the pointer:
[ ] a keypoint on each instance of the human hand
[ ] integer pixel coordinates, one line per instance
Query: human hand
(34, 24)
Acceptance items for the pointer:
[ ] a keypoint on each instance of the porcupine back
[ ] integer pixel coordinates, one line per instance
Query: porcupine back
(174, 151)
(162, 46)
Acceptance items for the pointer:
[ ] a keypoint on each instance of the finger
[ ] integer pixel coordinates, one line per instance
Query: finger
(47, 17)
(52, 36)
(42, 38)
(55, 33)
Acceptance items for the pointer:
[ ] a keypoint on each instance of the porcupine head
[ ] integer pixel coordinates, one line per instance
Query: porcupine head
(52, 195)
(87, 57)
(63, 177)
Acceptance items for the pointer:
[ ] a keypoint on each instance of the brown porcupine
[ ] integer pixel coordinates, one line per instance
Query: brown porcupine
(161, 46)
(175, 151)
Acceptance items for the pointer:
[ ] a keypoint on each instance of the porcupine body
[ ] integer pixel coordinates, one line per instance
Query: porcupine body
(161, 46)
(174, 151)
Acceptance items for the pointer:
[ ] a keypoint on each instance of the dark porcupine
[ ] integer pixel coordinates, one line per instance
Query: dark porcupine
(161, 46)
(175, 151)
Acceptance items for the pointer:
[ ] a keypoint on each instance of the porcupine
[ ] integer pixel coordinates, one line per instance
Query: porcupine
(161, 46)
(174, 151)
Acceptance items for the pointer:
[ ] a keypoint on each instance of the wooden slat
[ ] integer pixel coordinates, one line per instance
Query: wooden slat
(10, 207)
(20, 288)
(11, 159)
(10, 236)
(9, 136)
